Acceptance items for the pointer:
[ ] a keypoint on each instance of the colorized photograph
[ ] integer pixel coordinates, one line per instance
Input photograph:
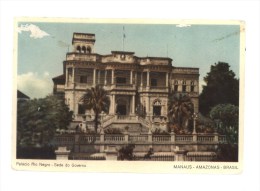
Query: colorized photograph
(128, 91)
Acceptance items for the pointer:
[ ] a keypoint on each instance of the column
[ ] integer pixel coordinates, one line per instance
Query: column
(172, 140)
(147, 106)
(167, 78)
(113, 104)
(136, 78)
(105, 82)
(62, 153)
(98, 76)
(141, 79)
(73, 75)
(67, 76)
(148, 79)
(112, 78)
(73, 92)
(102, 139)
(133, 104)
(94, 76)
(131, 77)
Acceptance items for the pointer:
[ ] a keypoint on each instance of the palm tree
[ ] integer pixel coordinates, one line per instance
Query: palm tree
(97, 99)
(180, 110)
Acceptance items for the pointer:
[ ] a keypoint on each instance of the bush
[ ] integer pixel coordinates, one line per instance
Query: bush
(126, 152)
(29, 152)
(227, 153)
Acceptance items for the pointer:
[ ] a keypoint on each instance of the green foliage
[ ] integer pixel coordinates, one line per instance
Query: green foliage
(46, 152)
(180, 110)
(97, 99)
(126, 152)
(227, 153)
(38, 119)
(221, 88)
(228, 116)
(160, 132)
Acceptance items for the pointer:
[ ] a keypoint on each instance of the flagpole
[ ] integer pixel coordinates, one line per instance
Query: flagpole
(123, 38)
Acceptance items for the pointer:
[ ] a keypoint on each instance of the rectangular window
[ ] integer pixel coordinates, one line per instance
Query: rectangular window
(83, 79)
(183, 88)
(69, 74)
(154, 82)
(81, 109)
(156, 110)
(175, 88)
(192, 88)
(120, 80)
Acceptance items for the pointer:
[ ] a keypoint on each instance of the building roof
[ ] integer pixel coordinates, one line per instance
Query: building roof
(22, 95)
(87, 34)
(59, 79)
(121, 52)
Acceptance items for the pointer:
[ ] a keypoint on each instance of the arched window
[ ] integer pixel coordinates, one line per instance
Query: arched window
(78, 49)
(88, 49)
(81, 108)
(157, 102)
(84, 49)
(121, 106)
(175, 85)
(183, 86)
(157, 107)
(192, 86)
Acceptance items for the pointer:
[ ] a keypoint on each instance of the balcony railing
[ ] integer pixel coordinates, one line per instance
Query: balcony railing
(82, 57)
(123, 86)
(154, 88)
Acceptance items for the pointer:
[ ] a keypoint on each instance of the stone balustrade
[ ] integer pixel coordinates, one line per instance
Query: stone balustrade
(138, 138)
(114, 138)
(161, 138)
(64, 139)
(172, 138)
(205, 138)
(184, 138)
(89, 138)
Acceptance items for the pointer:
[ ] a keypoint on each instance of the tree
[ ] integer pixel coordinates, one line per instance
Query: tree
(227, 116)
(180, 110)
(97, 99)
(126, 152)
(221, 88)
(38, 119)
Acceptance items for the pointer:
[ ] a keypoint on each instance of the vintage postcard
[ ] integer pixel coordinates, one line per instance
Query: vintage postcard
(122, 95)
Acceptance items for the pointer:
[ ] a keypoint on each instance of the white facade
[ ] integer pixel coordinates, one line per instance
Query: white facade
(138, 87)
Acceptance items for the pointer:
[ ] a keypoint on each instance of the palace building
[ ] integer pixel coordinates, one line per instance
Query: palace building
(138, 87)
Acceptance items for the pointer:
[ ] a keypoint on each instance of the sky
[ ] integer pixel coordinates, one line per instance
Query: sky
(42, 47)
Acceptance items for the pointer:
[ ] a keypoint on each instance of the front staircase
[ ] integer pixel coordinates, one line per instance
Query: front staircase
(134, 124)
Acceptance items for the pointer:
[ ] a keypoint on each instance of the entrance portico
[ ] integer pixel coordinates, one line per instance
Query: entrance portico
(122, 104)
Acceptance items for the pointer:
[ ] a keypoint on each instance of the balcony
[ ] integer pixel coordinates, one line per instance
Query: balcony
(123, 86)
(158, 89)
(81, 86)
